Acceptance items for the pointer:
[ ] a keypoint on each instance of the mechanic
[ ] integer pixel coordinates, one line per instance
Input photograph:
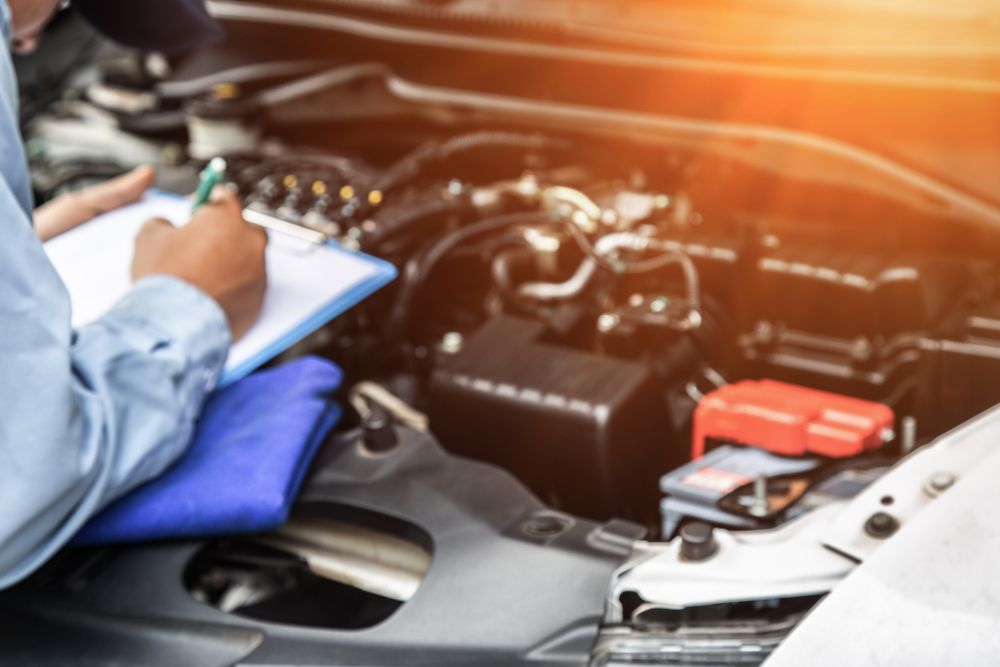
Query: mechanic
(87, 415)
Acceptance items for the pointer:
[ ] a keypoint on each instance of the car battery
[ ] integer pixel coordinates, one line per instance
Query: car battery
(790, 420)
(582, 431)
(734, 487)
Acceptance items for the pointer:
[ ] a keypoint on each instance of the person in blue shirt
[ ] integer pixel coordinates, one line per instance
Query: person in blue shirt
(88, 414)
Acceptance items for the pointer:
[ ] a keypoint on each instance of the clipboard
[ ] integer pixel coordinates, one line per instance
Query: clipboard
(308, 284)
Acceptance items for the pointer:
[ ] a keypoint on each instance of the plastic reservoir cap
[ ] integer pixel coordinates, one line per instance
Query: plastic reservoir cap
(790, 420)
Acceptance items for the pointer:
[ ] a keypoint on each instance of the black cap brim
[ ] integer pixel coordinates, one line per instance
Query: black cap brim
(168, 26)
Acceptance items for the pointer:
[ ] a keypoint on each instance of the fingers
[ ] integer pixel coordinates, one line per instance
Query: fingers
(226, 198)
(71, 210)
(154, 227)
(259, 233)
(117, 192)
(222, 204)
(225, 209)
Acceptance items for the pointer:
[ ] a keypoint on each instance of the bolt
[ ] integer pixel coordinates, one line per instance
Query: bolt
(763, 331)
(378, 434)
(451, 342)
(635, 300)
(546, 525)
(941, 481)
(608, 322)
(861, 349)
(528, 185)
(881, 525)
(760, 507)
(698, 541)
(659, 304)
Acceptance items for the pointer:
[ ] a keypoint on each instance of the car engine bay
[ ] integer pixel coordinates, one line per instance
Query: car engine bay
(633, 374)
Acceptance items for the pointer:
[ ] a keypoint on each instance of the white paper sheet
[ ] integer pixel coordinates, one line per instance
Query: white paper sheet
(307, 284)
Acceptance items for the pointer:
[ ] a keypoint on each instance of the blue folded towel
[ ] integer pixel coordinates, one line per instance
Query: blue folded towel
(251, 449)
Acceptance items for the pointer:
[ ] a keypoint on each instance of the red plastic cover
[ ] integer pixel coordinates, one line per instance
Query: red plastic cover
(790, 420)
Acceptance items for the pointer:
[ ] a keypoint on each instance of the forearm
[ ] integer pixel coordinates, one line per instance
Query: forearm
(84, 415)
(89, 415)
(152, 359)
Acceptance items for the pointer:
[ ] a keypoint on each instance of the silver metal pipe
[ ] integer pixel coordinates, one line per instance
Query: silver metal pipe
(366, 559)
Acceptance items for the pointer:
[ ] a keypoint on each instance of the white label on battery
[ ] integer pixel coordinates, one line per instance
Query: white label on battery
(713, 479)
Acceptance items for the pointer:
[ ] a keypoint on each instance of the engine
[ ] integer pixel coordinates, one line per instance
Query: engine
(567, 305)
(633, 326)
(565, 301)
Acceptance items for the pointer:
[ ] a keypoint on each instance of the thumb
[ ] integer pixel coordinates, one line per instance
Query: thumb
(150, 243)
(153, 228)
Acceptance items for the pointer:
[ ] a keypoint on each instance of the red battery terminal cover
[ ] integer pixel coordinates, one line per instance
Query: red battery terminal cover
(790, 420)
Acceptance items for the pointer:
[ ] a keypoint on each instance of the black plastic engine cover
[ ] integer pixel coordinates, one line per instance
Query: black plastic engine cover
(587, 433)
(848, 321)
(507, 585)
(845, 295)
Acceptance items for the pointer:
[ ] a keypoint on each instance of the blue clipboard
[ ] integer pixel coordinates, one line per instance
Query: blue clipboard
(383, 274)
(309, 284)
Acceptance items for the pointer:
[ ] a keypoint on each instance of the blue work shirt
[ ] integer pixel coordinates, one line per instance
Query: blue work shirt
(85, 415)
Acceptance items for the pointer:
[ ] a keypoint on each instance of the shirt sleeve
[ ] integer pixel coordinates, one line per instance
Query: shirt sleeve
(87, 415)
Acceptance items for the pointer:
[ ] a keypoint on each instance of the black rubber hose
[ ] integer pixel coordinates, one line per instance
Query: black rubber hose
(417, 270)
(411, 165)
(390, 224)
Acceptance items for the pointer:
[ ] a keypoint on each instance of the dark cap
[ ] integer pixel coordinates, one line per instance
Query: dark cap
(152, 25)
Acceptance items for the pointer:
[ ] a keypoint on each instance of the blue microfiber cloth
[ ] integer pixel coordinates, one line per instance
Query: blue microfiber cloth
(253, 444)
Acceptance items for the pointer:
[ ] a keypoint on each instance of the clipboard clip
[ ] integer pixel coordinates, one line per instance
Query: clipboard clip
(271, 222)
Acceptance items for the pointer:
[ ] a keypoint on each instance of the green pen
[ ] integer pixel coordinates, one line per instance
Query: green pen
(207, 181)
